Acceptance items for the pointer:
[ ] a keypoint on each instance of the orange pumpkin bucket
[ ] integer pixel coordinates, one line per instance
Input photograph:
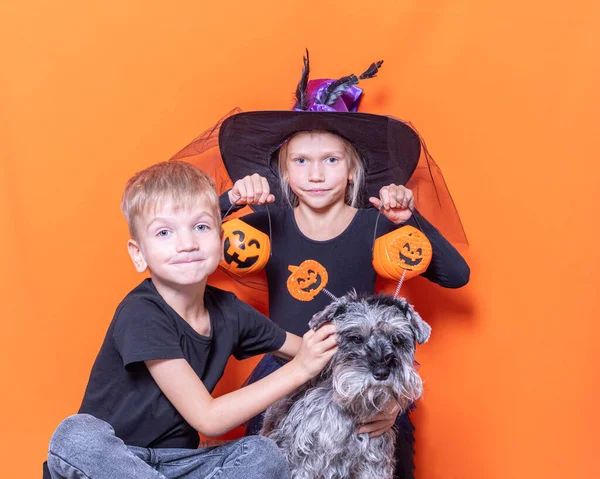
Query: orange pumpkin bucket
(405, 249)
(245, 249)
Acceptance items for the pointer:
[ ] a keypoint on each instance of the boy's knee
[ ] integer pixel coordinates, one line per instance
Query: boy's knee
(273, 461)
(78, 432)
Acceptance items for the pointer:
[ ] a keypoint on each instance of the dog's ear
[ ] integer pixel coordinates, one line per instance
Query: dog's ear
(421, 329)
(336, 308)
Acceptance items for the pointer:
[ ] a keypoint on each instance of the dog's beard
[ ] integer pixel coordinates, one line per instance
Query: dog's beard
(360, 394)
(409, 386)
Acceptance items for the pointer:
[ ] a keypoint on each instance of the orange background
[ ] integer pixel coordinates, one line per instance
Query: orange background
(505, 93)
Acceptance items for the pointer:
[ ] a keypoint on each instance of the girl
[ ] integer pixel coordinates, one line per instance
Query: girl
(324, 165)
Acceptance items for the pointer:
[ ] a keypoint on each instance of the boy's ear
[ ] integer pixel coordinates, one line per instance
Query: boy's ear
(136, 256)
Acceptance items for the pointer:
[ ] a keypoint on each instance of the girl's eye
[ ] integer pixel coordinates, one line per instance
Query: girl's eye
(202, 228)
(332, 159)
(163, 233)
(300, 161)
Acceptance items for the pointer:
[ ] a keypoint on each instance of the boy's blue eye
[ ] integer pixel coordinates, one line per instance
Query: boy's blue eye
(163, 233)
(202, 227)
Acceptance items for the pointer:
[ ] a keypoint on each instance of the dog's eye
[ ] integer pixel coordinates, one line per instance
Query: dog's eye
(355, 339)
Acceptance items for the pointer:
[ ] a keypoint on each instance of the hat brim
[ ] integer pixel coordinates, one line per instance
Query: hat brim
(389, 148)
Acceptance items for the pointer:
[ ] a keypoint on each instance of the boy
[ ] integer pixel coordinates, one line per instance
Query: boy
(148, 394)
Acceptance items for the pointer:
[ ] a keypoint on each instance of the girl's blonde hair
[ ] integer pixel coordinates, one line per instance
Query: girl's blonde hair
(175, 181)
(353, 189)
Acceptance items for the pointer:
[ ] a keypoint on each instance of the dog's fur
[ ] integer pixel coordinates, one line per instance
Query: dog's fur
(316, 425)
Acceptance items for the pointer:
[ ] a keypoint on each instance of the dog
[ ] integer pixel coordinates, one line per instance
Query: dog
(316, 425)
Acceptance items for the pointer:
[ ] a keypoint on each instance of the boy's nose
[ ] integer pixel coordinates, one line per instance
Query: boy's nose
(187, 243)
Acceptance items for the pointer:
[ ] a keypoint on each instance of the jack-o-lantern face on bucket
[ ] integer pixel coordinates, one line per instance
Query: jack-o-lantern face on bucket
(410, 259)
(245, 249)
(405, 249)
(307, 280)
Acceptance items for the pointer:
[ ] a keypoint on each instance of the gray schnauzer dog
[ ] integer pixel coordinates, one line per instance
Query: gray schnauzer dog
(316, 425)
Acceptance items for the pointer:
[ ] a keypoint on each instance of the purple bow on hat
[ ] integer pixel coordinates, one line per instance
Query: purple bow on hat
(347, 101)
(331, 95)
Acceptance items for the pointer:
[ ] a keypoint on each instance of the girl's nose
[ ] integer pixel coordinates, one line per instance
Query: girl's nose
(316, 171)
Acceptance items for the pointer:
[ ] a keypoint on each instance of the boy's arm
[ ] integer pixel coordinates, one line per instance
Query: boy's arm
(290, 348)
(214, 416)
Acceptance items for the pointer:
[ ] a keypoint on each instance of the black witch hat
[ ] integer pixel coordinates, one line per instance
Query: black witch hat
(244, 143)
(389, 148)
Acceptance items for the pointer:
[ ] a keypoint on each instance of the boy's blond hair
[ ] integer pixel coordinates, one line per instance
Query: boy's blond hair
(175, 181)
(354, 188)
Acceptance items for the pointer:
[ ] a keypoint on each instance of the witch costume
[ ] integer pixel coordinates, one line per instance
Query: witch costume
(391, 151)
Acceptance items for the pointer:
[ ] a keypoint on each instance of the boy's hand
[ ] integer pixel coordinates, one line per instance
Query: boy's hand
(251, 190)
(317, 348)
(381, 422)
(396, 202)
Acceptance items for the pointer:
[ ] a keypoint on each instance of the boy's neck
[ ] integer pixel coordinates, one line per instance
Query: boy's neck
(188, 302)
(323, 225)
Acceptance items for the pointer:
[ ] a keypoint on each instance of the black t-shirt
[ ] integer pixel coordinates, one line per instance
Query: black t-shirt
(347, 259)
(121, 390)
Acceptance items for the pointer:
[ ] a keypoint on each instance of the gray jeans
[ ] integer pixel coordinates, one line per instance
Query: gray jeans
(85, 447)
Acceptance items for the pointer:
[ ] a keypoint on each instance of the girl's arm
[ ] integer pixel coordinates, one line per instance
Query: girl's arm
(250, 190)
(215, 416)
(447, 268)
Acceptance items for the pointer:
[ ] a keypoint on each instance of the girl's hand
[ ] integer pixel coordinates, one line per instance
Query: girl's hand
(317, 348)
(396, 203)
(251, 190)
(381, 422)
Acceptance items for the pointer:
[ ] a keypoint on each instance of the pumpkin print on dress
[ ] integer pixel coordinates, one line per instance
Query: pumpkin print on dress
(307, 280)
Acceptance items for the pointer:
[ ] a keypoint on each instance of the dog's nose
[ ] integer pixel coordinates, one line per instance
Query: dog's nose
(381, 373)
